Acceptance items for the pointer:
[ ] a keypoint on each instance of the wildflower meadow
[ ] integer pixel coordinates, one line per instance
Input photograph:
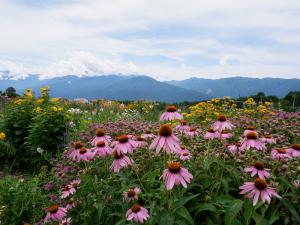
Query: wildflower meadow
(107, 162)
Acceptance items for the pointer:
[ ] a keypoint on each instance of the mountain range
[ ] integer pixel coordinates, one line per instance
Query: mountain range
(119, 87)
(240, 86)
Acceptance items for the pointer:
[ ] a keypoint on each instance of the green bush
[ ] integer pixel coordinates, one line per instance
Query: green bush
(35, 127)
(47, 133)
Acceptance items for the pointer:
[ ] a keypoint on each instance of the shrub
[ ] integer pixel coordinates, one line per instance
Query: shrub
(32, 124)
(47, 133)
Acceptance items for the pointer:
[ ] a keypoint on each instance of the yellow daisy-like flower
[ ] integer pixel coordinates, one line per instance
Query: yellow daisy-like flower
(19, 101)
(40, 101)
(54, 100)
(38, 109)
(268, 103)
(56, 108)
(44, 89)
(28, 93)
(234, 106)
(2, 136)
(250, 101)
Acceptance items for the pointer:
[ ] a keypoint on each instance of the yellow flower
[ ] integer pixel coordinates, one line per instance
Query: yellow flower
(44, 89)
(19, 101)
(55, 100)
(28, 93)
(56, 108)
(2, 136)
(216, 100)
(40, 101)
(249, 111)
(38, 109)
(268, 103)
(250, 101)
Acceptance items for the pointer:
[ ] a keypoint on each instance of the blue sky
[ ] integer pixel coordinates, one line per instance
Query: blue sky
(165, 39)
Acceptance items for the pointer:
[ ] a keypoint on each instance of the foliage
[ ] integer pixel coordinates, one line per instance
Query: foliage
(21, 200)
(31, 124)
(213, 196)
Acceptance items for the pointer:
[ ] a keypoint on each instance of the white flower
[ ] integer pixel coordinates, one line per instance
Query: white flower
(40, 150)
(72, 124)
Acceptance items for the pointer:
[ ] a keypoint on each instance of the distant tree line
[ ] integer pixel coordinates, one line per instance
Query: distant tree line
(290, 102)
(9, 92)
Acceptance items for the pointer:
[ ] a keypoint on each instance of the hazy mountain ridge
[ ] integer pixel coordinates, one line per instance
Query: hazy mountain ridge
(115, 87)
(240, 86)
(119, 87)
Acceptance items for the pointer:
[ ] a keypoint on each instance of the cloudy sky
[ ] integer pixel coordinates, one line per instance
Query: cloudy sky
(166, 39)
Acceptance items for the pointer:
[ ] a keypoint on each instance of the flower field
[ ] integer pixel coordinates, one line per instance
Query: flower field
(105, 162)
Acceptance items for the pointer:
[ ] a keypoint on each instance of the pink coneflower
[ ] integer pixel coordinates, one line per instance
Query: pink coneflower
(83, 154)
(137, 213)
(55, 213)
(124, 144)
(100, 136)
(184, 155)
(280, 153)
(296, 184)
(140, 142)
(252, 141)
(233, 149)
(175, 174)
(222, 124)
(294, 150)
(66, 221)
(75, 148)
(225, 134)
(132, 194)
(75, 183)
(212, 134)
(259, 169)
(165, 140)
(192, 132)
(101, 149)
(171, 114)
(268, 139)
(120, 161)
(182, 127)
(148, 135)
(67, 191)
(258, 188)
(70, 204)
(249, 129)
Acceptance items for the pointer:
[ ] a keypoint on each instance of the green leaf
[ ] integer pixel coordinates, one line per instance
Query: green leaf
(183, 201)
(232, 211)
(248, 212)
(184, 213)
(206, 207)
(166, 219)
(260, 220)
(292, 210)
(181, 222)
(274, 217)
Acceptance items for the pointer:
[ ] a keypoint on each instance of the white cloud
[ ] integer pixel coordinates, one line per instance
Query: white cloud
(82, 63)
(124, 36)
(16, 71)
